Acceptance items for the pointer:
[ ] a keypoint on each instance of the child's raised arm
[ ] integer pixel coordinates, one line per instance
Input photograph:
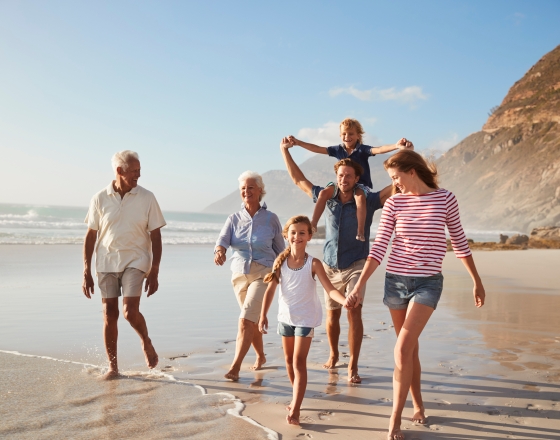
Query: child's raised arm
(402, 144)
(267, 301)
(319, 270)
(311, 147)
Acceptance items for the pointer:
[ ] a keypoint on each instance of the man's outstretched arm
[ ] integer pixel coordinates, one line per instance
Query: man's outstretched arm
(293, 170)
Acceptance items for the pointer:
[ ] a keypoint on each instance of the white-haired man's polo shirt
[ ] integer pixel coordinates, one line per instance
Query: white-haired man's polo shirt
(123, 227)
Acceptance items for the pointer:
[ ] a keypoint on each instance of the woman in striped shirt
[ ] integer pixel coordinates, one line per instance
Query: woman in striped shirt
(417, 214)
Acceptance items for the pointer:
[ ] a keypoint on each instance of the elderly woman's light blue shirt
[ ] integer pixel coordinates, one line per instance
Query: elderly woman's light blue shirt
(258, 238)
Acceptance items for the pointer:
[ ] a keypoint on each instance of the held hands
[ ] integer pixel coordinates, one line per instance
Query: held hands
(405, 144)
(88, 285)
(479, 295)
(263, 324)
(287, 142)
(353, 299)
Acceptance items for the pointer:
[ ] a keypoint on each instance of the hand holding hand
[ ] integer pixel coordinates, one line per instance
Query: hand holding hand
(88, 285)
(404, 144)
(286, 143)
(263, 324)
(479, 295)
(353, 299)
(293, 140)
(152, 284)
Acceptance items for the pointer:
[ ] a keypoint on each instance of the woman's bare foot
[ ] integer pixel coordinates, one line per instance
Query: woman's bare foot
(259, 363)
(395, 432)
(355, 378)
(150, 354)
(232, 375)
(292, 418)
(419, 416)
(110, 375)
(331, 363)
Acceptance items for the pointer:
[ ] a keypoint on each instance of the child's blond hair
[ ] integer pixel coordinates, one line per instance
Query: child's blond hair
(284, 254)
(355, 124)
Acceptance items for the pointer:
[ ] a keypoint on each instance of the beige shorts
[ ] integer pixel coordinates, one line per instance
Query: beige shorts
(129, 281)
(249, 290)
(344, 281)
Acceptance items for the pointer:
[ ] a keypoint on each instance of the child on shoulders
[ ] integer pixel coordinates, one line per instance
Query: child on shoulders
(299, 310)
(351, 134)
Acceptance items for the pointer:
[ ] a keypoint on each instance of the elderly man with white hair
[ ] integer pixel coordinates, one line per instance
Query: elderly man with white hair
(255, 236)
(124, 222)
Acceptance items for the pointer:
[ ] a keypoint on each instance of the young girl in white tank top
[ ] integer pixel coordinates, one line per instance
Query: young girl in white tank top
(299, 309)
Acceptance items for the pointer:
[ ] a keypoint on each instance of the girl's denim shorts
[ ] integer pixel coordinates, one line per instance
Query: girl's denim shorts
(292, 330)
(401, 289)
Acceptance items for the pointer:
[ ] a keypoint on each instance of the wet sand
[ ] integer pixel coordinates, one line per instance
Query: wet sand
(488, 373)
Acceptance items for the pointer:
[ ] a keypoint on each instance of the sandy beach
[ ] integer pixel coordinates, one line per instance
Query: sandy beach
(489, 373)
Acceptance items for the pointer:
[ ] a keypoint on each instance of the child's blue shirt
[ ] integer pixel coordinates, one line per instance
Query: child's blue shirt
(360, 154)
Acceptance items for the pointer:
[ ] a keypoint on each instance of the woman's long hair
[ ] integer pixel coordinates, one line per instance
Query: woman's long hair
(284, 254)
(406, 160)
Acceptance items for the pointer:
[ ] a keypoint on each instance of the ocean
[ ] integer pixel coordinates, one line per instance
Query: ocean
(42, 224)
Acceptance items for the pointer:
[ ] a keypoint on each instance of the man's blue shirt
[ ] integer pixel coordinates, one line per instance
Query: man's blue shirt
(360, 154)
(341, 248)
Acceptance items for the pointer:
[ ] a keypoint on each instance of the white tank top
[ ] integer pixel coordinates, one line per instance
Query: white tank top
(298, 301)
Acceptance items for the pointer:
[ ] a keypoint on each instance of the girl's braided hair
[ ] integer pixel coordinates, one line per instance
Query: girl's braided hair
(284, 254)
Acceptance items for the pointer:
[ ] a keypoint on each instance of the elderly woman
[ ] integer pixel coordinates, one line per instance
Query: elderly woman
(255, 236)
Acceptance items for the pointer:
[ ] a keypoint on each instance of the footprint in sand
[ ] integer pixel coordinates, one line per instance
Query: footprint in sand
(167, 368)
(532, 407)
(325, 415)
(345, 355)
(443, 402)
(435, 427)
(229, 341)
(368, 337)
(493, 412)
(307, 419)
(184, 355)
(220, 350)
(304, 436)
(383, 401)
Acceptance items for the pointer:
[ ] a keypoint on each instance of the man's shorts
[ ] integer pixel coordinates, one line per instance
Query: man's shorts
(401, 289)
(129, 282)
(344, 281)
(290, 331)
(249, 289)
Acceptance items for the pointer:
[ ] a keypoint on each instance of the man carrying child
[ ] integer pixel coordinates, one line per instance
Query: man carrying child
(343, 256)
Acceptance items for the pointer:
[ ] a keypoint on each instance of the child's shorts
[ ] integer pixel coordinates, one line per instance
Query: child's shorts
(401, 289)
(292, 330)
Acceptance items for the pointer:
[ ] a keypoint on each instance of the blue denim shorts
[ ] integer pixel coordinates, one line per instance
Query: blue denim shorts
(401, 289)
(291, 330)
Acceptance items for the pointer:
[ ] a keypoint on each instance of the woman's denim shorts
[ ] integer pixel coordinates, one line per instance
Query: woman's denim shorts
(291, 330)
(401, 289)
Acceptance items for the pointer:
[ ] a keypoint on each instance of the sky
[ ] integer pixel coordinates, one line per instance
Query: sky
(204, 90)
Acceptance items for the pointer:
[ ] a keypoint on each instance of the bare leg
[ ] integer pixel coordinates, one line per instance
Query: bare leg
(131, 312)
(419, 416)
(259, 350)
(110, 334)
(245, 336)
(299, 364)
(361, 211)
(324, 195)
(417, 315)
(355, 338)
(333, 334)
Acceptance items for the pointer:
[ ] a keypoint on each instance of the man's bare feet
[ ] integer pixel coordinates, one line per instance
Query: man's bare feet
(419, 416)
(395, 432)
(110, 375)
(331, 363)
(232, 375)
(150, 354)
(259, 363)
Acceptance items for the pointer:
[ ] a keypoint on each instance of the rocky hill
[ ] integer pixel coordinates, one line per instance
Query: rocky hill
(507, 176)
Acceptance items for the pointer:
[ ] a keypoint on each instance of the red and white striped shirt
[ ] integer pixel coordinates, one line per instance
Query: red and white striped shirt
(418, 222)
